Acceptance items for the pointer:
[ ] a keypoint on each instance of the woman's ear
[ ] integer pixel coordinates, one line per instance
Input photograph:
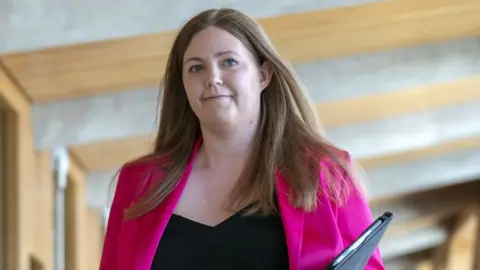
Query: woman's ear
(266, 72)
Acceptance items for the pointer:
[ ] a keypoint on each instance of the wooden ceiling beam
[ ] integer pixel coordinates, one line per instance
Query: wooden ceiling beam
(422, 153)
(125, 64)
(399, 102)
(110, 154)
(427, 208)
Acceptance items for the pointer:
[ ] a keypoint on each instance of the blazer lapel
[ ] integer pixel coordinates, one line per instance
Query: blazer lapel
(293, 221)
(151, 226)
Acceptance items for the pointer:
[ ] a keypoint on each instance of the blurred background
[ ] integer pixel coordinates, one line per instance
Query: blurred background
(397, 83)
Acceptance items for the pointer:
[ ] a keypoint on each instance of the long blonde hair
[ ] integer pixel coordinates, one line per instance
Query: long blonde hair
(289, 137)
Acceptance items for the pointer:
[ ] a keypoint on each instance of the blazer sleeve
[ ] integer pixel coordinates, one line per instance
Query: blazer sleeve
(354, 217)
(109, 258)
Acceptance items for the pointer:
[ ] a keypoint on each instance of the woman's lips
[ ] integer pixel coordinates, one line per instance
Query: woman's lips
(213, 98)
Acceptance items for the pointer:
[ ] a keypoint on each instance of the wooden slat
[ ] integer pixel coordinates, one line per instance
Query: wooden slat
(459, 250)
(44, 234)
(95, 238)
(11, 96)
(399, 102)
(423, 153)
(111, 154)
(20, 171)
(3, 187)
(76, 257)
(425, 265)
(82, 70)
(476, 263)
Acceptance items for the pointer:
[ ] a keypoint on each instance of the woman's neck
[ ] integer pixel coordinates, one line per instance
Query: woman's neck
(227, 146)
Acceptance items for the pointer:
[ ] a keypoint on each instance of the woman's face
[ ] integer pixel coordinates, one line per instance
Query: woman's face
(222, 79)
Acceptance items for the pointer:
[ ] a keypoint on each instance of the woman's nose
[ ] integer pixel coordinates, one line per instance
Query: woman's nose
(214, 77)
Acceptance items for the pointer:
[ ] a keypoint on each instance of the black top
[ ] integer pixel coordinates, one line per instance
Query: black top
(239, 242)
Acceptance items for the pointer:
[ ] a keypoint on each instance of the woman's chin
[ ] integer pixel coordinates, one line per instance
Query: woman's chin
(220, 122)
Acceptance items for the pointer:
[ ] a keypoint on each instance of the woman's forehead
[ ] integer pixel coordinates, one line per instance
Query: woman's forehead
(215, 42)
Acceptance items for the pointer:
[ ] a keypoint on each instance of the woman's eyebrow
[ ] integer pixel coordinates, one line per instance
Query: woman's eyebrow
(218, 54)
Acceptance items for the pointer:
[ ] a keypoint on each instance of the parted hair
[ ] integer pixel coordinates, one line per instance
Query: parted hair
(289, 138)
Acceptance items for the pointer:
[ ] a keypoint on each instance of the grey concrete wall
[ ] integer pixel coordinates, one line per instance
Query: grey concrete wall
(31, 24)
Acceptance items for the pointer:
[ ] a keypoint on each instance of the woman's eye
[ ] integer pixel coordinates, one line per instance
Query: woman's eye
(195, 68)
(230, 63)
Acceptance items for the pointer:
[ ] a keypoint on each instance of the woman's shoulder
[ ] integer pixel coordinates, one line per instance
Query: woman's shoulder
(136, 172)
(335, 158)
(139, 165)
(340, 177)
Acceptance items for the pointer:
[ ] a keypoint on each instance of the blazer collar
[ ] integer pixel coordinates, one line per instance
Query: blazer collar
(150, 227)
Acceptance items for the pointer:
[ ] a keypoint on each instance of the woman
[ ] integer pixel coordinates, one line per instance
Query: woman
(240, 176)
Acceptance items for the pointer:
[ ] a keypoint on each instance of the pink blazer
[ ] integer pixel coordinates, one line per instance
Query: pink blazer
(313, 239)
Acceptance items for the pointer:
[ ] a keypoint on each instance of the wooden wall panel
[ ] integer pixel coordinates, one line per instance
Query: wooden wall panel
(20, 169)
(95, 238)
(425, 265)
(76, 220)
(44, 196)
(3, 187)
(459, 251)
(89, 69)
(476, 263)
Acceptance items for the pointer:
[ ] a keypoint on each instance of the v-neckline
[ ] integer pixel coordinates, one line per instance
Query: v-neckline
(206, 234)
(217, 226)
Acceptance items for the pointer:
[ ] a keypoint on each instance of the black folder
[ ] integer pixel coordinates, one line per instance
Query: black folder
(356, 256)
